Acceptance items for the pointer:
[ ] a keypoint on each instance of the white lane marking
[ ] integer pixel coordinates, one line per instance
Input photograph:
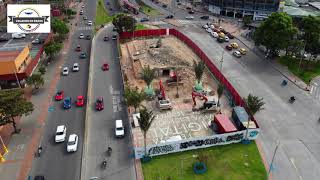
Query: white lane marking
(110, 89)
(294, 165)
(315, 83)
(311, 89)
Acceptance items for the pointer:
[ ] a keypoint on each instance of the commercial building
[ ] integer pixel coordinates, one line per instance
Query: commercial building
(257, 9)
(14, 63)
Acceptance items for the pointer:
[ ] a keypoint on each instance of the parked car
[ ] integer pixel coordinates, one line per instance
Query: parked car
(209, 30)
(191, 12)
(144, 19)
(80, 101)
(67, 103)
(72, 144)
(114, 37)
(65, 71)
(99, 104)
(220, 39)
(164, 6)
(81, 12)
(75, 67)
(204, 17)
(214, 34)
(229, 47)
(78, 48)
(237, 54)
(88, 37)
(2, 39)
(106, 38)
(205, 26)
(226, 38)
(119, 129)
(61, 134)
(83, 55)
(234, 45)
(230, 35)
(243, 51)
(37, 41)
(59, 96)
(189, 17)
(18, 35)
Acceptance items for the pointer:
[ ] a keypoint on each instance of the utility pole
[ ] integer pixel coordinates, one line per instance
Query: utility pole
(274, 154)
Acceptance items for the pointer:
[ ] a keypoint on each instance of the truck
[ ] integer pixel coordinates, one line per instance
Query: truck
(241, 118)
(224, 124)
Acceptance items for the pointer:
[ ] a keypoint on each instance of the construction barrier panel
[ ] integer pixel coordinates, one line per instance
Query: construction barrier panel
(236, 98)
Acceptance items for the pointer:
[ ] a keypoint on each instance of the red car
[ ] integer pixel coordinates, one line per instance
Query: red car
(105, 67)
(59, 96)
(99, 104)
(80, 101)
(228, 47)
(78, 48)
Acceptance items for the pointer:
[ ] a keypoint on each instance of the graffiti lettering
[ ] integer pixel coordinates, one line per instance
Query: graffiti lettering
(161, 149)
(235, 137)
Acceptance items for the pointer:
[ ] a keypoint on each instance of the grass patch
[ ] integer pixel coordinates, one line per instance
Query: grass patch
(140, 27)
(148, 10)
(307, 71)
(102, 16)
(234, 161)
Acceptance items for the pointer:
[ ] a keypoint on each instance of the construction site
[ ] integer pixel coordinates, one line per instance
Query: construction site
(183, 108)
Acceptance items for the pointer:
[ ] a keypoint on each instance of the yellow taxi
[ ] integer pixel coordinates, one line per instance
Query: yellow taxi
(234, 45)
(243, 51)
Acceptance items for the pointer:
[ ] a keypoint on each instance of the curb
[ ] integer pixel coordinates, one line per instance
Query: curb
(85, 136)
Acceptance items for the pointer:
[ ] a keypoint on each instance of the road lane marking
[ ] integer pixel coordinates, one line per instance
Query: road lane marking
(311, 89)
(294, 165)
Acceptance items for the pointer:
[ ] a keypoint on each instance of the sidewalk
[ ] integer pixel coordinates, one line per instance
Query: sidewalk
(22, 146)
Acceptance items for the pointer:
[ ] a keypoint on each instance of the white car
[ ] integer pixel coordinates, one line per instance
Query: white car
(18, 35)
(237, 54)
(82, 6)
(214, 34)
(212, 26)
(205, 26)
(226, 38)
(189, 17)
(61, 133)
(72, 144)
(65, 71)
(89, 23)
(75, 67)
(119, 130)
(209, 30)
(81, 36)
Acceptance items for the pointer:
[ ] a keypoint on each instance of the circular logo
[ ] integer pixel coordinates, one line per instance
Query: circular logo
(28, 13)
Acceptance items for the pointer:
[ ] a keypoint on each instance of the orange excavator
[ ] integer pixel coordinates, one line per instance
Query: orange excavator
(207, 105)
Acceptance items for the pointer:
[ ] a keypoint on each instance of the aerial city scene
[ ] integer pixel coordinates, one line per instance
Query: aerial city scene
(159, 89)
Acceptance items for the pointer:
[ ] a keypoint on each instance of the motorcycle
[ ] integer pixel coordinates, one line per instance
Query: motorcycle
(109, 151)
(284, 83)
(292, 99)
(104, 164)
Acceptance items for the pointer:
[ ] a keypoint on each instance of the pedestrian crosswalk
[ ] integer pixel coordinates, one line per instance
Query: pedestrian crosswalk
(85, 28)
(315, 90)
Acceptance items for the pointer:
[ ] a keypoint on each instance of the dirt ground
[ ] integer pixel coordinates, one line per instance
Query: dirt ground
(172, 53)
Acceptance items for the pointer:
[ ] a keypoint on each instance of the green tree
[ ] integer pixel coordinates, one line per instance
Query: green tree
(295, 46)
(35, 80)
(59, 26)
(124, 22)
(310, 26)
(199, 70)
(42, 70)
(148, 75)
(52, 48)
(219, 92)
(145, 120)
(133, 97)
(275, 32)
(247, 20)
(254, 104)
(13, 104)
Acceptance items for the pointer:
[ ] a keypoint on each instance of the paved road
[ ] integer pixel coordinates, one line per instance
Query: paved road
(100, 125)
(295, 126)
(55, 162)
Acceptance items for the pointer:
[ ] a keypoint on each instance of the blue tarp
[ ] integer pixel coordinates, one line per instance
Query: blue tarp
(241, 113)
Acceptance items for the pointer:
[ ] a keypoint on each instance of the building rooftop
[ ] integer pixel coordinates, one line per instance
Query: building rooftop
(315, 5)
(10, 54)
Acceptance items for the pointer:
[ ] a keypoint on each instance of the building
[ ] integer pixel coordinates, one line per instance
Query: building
(14, 63)
(257, 9)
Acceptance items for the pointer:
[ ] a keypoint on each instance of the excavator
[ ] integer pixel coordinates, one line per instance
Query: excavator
(209, 104)
(163, 102)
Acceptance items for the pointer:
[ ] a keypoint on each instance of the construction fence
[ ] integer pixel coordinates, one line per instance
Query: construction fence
(235, 97)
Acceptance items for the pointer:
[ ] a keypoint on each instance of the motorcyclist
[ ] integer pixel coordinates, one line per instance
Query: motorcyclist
(104, 163)
(39, 150)
(292, 98)
(109, 149)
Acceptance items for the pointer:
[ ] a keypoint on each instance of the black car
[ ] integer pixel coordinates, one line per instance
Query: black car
(88, 37)
(220, 39)
(230, 36)
(144, 19)
(106, 38)
(3, 39)
(114, 37)
(39, 178)
(164, 5)
(179, 3)
(191, 12)
(38, 41)
(169, 17)
(204, 17)
(114, 29)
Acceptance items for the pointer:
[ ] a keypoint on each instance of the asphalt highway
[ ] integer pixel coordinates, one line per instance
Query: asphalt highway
(55, 162)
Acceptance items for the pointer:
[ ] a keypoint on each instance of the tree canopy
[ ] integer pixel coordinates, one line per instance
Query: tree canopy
(133, 97)
(148, 75)
(52, 48)
(254, 104)
(145, 120)
(275, 32)
(59, 26)
(13, 104)
(199, 69)
(124, 23)
(310, 26)
(35, 80)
